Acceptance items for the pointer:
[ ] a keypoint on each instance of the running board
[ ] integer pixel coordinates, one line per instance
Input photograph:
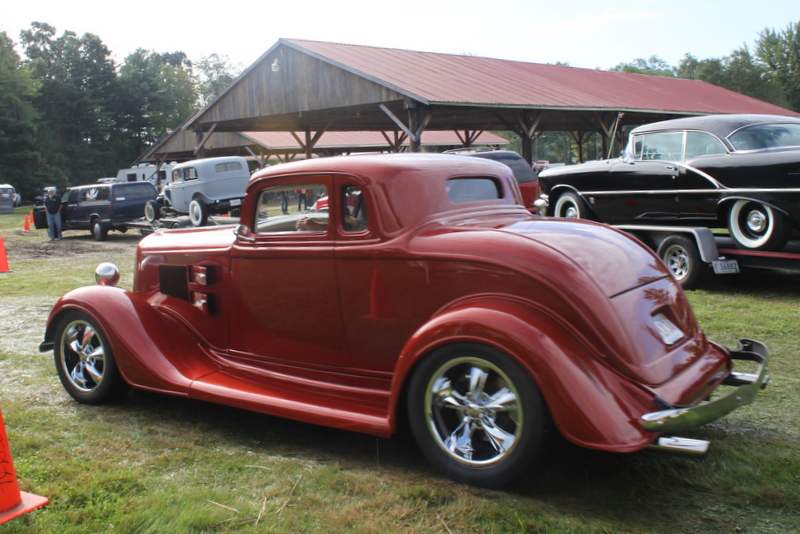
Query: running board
(685, 446)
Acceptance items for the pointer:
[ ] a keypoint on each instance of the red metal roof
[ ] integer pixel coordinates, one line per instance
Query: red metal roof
(285, 140)
(456, 79)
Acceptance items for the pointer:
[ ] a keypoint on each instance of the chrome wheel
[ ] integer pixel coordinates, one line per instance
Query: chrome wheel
(473, 411)
(677, 261)
(679, 253)
(82, 356)
(84, 361)
(476, 414)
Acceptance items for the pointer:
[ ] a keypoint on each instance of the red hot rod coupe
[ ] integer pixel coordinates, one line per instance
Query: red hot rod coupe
(425, 291)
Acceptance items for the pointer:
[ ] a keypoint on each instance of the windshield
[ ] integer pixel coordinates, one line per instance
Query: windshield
(762, 136)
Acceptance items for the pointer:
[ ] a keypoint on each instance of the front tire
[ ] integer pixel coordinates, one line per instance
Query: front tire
(84, 361)
(570, 206)
(756, 226)
(476, 414)
(198, 212)
(682, 259)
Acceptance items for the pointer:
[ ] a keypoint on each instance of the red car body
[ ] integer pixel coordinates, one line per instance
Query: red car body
(336, 326)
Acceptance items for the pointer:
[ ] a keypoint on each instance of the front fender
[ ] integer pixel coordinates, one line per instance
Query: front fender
(559, 189)
(591, 404)
(152, 349)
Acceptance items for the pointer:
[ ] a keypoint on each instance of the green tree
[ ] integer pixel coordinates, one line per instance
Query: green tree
(780, 53)
(74, 127)
(215, 74)
(155, 93)
(20, 159)
(654, 66)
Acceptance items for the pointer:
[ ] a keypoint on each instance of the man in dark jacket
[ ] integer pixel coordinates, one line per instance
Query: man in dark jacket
(52, 204)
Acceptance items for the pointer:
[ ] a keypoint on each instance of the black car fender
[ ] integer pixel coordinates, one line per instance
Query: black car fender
(559, 190)
(724, 205)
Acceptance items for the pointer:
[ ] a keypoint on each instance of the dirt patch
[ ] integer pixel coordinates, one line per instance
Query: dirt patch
(23, 246)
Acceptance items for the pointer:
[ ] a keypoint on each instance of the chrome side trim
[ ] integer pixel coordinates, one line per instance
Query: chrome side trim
(678, 419)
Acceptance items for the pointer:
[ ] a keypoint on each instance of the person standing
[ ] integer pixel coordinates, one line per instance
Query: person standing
(302, 199)
(52, 204)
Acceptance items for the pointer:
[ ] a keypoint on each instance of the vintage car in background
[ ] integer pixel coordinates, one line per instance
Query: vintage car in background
(425, 293)
(740, 172)
(201, 188)
(524, 174)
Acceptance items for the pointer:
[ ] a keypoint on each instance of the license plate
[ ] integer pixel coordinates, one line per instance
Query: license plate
(236, 202)
(725, 266)
(670, 334)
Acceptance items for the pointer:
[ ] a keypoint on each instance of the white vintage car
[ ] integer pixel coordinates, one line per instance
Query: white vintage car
(202, 187)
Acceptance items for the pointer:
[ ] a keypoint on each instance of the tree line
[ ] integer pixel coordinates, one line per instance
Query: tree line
(70, 115)
(770, 72)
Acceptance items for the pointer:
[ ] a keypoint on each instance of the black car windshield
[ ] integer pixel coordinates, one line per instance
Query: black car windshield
(762, 136)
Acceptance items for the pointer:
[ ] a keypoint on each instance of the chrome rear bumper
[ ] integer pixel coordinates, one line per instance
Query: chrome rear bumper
(677, 419)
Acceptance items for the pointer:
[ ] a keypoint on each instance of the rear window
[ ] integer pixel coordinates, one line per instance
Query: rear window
(228, 166)
(471, 189)
(523, 172)
(763, 136)
(140, 191)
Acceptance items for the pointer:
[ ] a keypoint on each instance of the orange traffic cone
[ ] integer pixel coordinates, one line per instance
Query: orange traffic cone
(27, 223)
(13, 502)
(3, 257)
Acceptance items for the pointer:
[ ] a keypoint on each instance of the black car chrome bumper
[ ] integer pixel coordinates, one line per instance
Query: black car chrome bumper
(677, 419)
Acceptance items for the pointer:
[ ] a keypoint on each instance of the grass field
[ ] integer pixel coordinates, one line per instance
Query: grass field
(161, 464)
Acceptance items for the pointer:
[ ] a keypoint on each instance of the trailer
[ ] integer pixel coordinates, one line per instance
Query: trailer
(693, 253)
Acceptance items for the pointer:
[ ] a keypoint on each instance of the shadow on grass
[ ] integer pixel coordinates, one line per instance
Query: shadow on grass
(636, 491)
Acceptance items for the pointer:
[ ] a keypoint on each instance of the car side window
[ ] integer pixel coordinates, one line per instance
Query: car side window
(354, 209)
(660, 146)
(702, 144)
(291, 209)
(190, 173)
(177, 176)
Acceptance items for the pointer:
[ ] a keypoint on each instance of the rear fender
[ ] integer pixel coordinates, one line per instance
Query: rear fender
(726, 204)
(592, 405)
(153, 350)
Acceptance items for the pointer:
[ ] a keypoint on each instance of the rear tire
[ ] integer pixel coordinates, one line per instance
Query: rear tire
(152, 211)
(756, 226)
(99, 231)
(198, 212)
(476, 414)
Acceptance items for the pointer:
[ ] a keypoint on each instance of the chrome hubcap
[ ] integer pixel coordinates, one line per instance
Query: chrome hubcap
(677, 262)
(473, 411)
(83, 356)
(757, 221)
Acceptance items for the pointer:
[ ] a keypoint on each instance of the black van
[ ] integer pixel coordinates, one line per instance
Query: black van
(101, 207)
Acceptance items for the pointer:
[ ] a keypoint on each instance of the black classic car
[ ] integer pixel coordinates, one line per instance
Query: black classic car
(740, 172)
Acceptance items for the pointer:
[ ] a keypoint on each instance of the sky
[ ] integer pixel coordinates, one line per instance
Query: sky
(582, 33)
